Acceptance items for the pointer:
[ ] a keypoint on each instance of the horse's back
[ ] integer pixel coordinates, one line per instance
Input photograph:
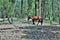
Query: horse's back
(36, 17)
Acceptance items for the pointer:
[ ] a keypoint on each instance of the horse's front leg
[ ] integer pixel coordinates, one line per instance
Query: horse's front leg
(33, 21)
(38, 22)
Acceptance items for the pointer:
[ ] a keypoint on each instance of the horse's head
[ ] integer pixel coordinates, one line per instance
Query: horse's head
(29, 17)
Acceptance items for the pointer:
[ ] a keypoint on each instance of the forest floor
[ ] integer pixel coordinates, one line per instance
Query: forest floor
(33, 32)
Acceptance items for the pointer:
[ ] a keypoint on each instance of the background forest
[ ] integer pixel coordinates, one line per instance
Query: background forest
(48, 9)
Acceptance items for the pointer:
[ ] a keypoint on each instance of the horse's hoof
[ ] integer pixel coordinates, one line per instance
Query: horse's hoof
(33, 23)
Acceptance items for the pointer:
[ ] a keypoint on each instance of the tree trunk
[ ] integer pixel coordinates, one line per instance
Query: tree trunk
(59, 15)
(13, 5)
(29, 6)
(3, 9)
(12, 1)
(2, 15)
(35, 8)
(59, 19)
(39, 7)
(21, 8)
(43, 7)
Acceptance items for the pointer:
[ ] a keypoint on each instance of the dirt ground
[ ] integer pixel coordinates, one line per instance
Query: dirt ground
(23, 31)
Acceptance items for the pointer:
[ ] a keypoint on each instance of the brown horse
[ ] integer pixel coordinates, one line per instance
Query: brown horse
(34, 18)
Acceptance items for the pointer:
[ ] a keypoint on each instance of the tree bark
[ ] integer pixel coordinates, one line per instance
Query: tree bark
(12, 1)
(11, 16)
(39, 7)
(29, 6)
(35, 8)
(59, 19)
(21, 8)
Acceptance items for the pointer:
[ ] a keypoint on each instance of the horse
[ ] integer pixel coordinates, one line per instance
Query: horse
(35, 18)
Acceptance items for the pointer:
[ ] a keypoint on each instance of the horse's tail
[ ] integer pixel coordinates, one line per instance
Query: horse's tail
(41, 21)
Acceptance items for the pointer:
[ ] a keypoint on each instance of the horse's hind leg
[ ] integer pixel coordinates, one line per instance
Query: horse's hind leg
(38, 22)
(33, 21)
(41, 21)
